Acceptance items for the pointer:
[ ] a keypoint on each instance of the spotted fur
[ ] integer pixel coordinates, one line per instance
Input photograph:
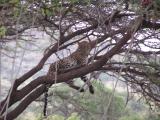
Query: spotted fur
(78, 58)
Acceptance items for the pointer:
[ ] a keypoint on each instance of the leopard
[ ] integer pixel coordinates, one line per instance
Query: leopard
(76, 59)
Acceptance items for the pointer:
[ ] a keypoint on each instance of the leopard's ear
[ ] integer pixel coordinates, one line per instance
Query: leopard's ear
(79, 44)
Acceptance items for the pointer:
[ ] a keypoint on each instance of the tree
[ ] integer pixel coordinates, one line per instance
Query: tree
(115, 29)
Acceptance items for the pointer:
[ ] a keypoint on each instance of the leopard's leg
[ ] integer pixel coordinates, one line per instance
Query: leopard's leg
(71, 84)
(85, 79)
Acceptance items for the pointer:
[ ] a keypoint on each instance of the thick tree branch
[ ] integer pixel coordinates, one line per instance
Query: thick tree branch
(127, 69)
(43, 60)
(22, 106)
(82, 71)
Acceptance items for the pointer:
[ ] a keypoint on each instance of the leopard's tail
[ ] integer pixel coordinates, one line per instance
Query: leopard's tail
(45, 100)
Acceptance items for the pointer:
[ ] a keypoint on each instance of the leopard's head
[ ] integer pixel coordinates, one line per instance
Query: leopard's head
(84, 46)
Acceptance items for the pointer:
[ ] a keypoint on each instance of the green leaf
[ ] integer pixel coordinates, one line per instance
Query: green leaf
(48, 12)
(74, 116)
(2, 31)
(14, 1)
(55, 117)
(43, 11)
(55, 2)
(73, 1)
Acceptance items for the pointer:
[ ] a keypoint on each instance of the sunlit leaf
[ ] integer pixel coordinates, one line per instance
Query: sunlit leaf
(2, 31)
